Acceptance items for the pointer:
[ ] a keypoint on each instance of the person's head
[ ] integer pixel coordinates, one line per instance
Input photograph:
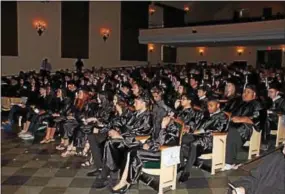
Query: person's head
(249, 93)
(22, 81)
(213, 105)
(273, 90)
(202, 91)
(59, 93)
(186, 100)
(125, 88)
(136, 89)
(43, 91)
(82, 95)
(156, 94)
(141, 102)
(181, 89)
(119, 101)
(230, 89)
(71, 86)
(194, 81)
(45, 60)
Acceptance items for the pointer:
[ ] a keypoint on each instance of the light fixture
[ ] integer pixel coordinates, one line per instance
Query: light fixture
(283, 48)
(40, 26)
(201, 51)
(150, 47)
(151, 9)
(105, 32)
(240, 51)
(186, 8)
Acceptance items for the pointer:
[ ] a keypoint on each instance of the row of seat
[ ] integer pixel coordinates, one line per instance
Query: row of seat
(166, 169)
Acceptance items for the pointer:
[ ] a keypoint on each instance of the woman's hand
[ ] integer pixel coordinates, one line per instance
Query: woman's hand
(95, 130)
(114, 134)
(165, 122)
(239, 190)
(146, 146)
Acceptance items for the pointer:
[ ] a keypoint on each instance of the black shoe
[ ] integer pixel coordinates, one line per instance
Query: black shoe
(121, 190)
(146, 178)
(95, 172)
(101, 183)
(184, 177)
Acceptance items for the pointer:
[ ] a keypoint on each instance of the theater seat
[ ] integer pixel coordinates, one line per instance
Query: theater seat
(166, 168)
(280, 132)
(254, 144)
(218, 155)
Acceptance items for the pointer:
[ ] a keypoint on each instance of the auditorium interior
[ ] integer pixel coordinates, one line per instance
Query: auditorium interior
(142, 97)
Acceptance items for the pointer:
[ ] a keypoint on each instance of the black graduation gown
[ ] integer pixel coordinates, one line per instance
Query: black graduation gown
(139, 124)
(253, 110)
(218, 122)
(232, 103)
(137, 156)
(278, 107)
(268, 177)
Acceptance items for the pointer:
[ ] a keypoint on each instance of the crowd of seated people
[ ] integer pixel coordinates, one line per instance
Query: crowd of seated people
(99, 113)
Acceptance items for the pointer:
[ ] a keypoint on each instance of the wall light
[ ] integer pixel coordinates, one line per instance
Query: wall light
(201, 51)
(186, 8)
(150, 47)
(40, 26)
(283, 48)
(240, 51)
(151, 9)
(105, 32)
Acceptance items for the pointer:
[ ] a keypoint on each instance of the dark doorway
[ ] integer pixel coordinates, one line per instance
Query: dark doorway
(269, 59)
(267, 12)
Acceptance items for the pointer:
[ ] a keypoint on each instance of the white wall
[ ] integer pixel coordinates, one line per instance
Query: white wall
(33, 48)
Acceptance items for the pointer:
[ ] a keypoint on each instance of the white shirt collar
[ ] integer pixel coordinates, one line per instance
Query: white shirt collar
(203, 97)
(218, 111)
(276, 98)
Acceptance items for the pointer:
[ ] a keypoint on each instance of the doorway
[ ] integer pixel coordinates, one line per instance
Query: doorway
(269, 59)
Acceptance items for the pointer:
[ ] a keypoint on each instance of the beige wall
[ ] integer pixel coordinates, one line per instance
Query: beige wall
(214, 54)
(205, 11)
(33, 48)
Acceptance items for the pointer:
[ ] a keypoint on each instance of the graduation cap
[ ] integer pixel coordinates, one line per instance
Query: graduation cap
(144, 97)
(252, 87)
(275, 85)
(213, 98)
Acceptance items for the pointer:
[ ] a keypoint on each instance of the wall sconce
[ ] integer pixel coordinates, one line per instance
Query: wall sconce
(186, 8)
(240, 51)
(105, 32)
(201, 52)
(150, 47)
(151, 9)
(283, 48)
(40, 26)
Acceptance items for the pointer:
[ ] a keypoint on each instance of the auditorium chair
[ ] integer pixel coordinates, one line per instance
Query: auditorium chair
(280, 132)
(218, 155)
(253, 144)
(166, 168)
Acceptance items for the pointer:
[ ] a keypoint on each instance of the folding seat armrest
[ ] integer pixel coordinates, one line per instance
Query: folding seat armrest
(219, 133)
(141, 138)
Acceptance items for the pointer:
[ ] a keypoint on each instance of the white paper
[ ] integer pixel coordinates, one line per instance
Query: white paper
(171, 156)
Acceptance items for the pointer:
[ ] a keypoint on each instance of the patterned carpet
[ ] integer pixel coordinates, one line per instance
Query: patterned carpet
(29, 168)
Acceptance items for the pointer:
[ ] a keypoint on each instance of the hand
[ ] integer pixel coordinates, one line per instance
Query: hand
(177, 104)
(186, 129)
(114, 134)
(95, 130)
(146, 147)
(239, 190)
(22, 105)
(165, 122)
(91, 120)
(70, 117)
(55, 115)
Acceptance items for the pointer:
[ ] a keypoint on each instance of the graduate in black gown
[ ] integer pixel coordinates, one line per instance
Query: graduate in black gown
(277, 107)
(149, 151)
(201, 140)
(244, 119)
(139, 124)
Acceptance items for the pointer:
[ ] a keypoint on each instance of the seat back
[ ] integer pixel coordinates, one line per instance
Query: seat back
(254, 144)
(280, 136)
(181, 126)
(6, 103)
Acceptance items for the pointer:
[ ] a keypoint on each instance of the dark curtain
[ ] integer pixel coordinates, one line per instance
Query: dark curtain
(75, 29)
(9, 28)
